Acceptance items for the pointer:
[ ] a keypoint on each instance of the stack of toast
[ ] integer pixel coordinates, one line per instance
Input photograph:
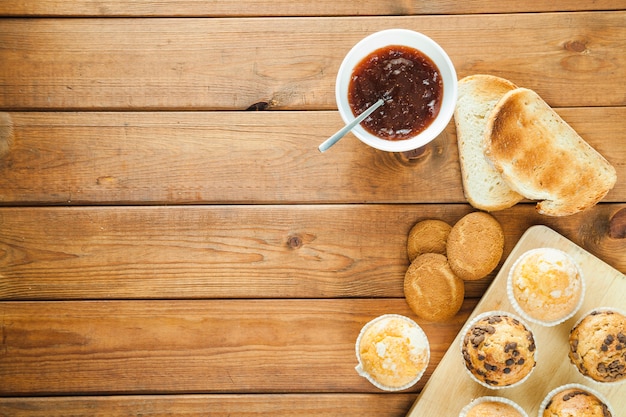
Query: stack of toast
(514, 146)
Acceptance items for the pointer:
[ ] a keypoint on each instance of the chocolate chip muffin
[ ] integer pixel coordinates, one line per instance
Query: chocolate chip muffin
(427, 236)
(574, 400)
(598, 346)
(492, 407)
(498, 350)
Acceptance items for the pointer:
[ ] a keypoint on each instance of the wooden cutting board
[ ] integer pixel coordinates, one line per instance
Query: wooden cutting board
(450, 388)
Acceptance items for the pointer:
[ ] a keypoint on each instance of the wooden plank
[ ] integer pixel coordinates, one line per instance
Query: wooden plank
(215, 405)
(194, 63)
(203, 346)
(238, 157)
(214, 158)
(257, 8)
(243, 251)
(605, 287)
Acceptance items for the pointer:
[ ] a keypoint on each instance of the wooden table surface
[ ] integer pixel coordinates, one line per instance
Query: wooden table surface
(163, 251)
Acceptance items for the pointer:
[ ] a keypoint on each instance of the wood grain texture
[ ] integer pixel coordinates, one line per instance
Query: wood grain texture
(212, 64)
(215, 405)
(240, 157)
(232, 8)
(208, 346)
(243, 251)
(163, 252)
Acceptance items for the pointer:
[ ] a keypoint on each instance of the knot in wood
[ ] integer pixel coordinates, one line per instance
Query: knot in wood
(415, 153)
(260, 106)
(294, 242)
(617, 225)
(575, 46)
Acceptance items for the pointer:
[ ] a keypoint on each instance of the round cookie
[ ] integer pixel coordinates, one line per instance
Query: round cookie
(431, 289)
(598, 346)
(427, 236)
(475, 246)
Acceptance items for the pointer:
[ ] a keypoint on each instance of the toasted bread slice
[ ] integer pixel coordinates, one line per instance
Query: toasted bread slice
(483, 186)
(543, 158)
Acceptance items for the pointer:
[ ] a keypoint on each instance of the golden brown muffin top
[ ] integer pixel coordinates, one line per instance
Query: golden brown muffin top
(493, 409)
(393, 351)
(546, 284)
(598, 346)
(576, 402)
(499, 350)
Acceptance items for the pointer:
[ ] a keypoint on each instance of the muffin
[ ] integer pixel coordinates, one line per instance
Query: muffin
(498, 350)
(475, 246)
(431, 289)
(598, 346)
(492, 407)
(427, 236)
(574, 400)
(393, 352)
(545, 286)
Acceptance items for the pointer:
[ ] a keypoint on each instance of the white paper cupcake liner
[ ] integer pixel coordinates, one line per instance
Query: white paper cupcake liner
(485, 399)
(564, 387)
(359, 368)
(477, 319)
(586, 377)
(518, 308)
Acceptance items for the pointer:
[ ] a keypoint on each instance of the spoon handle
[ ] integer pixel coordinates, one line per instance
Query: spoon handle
(342, 132)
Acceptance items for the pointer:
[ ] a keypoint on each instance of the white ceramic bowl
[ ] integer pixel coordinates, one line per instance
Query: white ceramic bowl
(427, 47)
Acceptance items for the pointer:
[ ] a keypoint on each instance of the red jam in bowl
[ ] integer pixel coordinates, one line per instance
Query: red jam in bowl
(411, 85)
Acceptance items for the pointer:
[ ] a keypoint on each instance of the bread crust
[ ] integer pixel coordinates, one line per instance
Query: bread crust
(543, 158)
(483, 185)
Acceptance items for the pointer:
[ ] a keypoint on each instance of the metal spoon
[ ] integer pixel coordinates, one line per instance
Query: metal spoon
(342, 132)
